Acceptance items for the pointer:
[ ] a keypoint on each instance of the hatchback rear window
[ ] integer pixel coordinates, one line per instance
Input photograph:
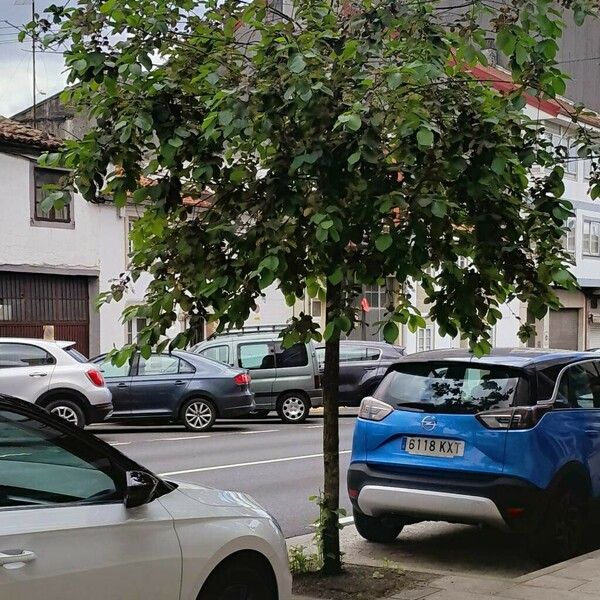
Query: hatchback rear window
(449, 387)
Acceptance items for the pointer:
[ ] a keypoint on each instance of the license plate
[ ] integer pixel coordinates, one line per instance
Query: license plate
(433, 447)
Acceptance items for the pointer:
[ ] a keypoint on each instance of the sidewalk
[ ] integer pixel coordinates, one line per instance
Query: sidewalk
(576, 579)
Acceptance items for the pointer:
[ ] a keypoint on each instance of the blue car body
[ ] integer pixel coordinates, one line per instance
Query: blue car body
(510, 455)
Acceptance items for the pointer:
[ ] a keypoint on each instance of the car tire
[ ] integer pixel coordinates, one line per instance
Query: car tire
(561, 535)
(198, 414)
(377, 530)
(248, 578)
(293, 408)
(68, 410)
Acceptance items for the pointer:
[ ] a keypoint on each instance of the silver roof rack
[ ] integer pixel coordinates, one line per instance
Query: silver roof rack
(247, 329)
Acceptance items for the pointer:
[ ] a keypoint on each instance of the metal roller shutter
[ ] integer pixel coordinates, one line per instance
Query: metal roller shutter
(564, 329)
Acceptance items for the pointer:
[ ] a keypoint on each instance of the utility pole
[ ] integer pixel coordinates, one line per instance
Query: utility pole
(33, 38)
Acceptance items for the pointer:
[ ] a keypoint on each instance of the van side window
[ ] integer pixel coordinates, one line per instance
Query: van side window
(580, 386)
(218, 353)
(256, 356)
(294, 356)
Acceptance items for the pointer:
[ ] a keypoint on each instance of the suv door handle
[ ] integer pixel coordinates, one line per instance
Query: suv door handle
(17, 556)
(180, 382)
(38, 374)
(370, 368)
(122, 385)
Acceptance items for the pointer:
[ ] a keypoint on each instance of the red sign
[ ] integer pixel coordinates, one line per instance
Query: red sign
(364, 304)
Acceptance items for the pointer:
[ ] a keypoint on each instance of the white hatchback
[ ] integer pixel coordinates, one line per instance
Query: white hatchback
(55, 376)
(80, 520)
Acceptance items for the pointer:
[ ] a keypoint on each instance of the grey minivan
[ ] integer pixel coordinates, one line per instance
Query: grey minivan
(283, 379)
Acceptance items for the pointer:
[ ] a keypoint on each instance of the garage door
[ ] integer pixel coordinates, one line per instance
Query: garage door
(594, 335)
(564, 329)
(29, 301)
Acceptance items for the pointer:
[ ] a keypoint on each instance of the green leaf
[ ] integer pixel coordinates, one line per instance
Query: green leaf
(225, 117)
(439, 209)
(390, 332)
(329, 331)
(336, 277)
(498, 165)
(394, 80)
(354, 158)
(383, 242)
(425, 137)
(353, 123)
(505, 40)
(579, 15)
(297, 64)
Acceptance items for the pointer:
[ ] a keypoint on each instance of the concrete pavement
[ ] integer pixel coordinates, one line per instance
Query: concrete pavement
(576, 579)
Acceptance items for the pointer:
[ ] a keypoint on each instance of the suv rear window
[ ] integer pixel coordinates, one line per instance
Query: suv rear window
(449, 387)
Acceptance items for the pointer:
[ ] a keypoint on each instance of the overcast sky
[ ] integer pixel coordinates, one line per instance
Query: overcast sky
(15, 60)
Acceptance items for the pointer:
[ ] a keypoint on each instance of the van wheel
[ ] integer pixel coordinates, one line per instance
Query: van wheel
(198, 414)
(377, 530)
(293, 407)
(561, 535)
(67, 410)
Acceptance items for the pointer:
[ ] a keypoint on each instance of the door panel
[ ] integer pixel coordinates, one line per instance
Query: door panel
(118, 381)
(25, 371)
(158, 385)
(295, 369)
(259, 359)
(92, 552)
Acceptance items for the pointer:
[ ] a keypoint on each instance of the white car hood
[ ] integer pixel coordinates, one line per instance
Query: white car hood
(221, 502)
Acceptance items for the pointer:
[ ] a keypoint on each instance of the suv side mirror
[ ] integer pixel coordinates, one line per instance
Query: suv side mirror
(140, 488)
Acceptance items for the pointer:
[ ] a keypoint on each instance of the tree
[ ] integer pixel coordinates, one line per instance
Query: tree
(336, 147)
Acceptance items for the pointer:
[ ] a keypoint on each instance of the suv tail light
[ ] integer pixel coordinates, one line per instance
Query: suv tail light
(372, 409)
(242, 379)
(95, 377)
(523, 417)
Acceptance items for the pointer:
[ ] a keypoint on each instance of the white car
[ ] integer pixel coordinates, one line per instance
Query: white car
(80, 520)
(55, 376)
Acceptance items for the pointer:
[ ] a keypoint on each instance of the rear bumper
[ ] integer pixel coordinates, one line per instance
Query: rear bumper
(316, 397)
(97, 413)
(237, 406)
(502, 502)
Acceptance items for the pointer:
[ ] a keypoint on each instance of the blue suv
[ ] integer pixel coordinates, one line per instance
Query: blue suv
(511, 440)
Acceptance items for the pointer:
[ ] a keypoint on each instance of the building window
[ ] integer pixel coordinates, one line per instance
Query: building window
(570, 237)
(587, 168)
(591, 238)
(134, 328)
(131, 221)
(571, 162)
(42, 178)
(425, 339)
(316, 308)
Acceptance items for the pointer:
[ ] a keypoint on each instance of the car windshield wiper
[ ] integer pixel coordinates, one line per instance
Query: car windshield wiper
(418, 406)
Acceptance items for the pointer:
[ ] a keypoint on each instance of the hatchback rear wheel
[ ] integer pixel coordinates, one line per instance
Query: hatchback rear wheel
(67, 410)
(293, 407)
(198, 414)
(378, 530)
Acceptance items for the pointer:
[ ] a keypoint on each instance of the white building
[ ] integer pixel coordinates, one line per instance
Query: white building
(53, 265)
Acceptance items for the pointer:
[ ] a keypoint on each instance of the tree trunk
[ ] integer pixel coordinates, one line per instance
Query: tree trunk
(332, 559)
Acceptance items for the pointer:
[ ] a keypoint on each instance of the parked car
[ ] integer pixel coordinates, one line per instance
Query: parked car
(283, 379)
(510, 440)
(177, 388)
(56, 377)
(362, 367)
(79, 519)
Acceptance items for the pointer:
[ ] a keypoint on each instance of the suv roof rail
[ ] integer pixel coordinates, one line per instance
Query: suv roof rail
(246, 329)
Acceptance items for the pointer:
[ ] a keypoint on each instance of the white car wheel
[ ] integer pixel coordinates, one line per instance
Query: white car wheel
(293, 408)
(68, 411)
(199, 414)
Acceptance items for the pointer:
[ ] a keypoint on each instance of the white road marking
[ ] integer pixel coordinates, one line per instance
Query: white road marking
(313, 427)
(247, 464)
(119, 443)
(259, 431)
(176, 439)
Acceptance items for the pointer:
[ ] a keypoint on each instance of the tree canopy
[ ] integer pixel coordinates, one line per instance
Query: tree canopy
(333, 146)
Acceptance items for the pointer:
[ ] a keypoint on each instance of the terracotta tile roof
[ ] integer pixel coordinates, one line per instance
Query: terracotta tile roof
(201, 201)
(502, 81)
(13, 132)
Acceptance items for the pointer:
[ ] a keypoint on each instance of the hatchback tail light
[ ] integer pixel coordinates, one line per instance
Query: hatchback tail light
(522, 417)
(242, 379)
(95, 377)
(372, 409)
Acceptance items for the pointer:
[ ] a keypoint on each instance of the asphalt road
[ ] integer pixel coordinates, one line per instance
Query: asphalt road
(280, 465)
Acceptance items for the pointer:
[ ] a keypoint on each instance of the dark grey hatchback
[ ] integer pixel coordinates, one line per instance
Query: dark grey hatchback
(177, 388)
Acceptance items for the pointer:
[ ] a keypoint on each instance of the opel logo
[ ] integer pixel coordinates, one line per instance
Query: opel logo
(429, 423)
